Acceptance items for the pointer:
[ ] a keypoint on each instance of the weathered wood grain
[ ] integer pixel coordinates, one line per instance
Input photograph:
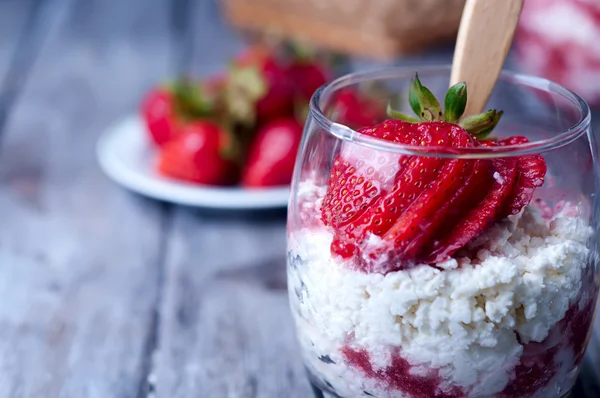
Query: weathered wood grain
(226, 329)
(210, 41)
(13, 24)
(22, 24)
(79, 256)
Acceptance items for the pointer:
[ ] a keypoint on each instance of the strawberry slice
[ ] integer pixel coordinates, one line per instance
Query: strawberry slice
(410, 223)
(358, 177)
(361, 175)
(504, 173)
(531, 170)
(424, 214)
(473, 179)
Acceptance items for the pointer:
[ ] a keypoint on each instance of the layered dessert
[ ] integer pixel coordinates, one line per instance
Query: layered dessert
(430, 276)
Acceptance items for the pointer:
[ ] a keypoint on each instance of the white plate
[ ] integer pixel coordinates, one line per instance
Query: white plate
(126, 156)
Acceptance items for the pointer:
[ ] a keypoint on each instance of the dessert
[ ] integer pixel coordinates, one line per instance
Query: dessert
(431, 276)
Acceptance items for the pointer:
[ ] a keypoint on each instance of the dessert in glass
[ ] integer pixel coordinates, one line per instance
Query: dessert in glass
(435, 254)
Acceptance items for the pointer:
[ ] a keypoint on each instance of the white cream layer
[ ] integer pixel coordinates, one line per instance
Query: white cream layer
(460, 320)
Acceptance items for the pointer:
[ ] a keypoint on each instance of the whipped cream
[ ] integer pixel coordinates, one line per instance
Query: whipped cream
(460, 320)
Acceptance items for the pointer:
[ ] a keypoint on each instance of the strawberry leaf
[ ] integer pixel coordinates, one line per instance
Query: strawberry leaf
(423, 102)
(399, 115)
(190, 101)
(488, 131)
(455, 102)
(481, 125)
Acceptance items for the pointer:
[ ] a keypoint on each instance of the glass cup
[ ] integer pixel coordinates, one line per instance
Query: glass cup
(508, 314)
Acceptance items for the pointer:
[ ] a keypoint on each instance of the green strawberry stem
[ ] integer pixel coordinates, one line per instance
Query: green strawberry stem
(401, 116)
(481, 125)
(428, 109)
(455, 102)
(190, 101)
(245, 87)
(423, 102)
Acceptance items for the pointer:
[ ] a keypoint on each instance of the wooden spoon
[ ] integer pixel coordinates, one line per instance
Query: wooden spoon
(484, 37)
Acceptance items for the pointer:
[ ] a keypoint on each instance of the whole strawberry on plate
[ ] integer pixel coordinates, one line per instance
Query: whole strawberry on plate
(202, 153)
(166, 108)
(308, 70)
(259, 87)
(424, 208)
(355, 109)
(272, 154)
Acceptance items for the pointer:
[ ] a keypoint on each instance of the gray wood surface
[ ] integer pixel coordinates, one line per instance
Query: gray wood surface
(14, 16)
(104, 293)
(226, 330)
(79, 256)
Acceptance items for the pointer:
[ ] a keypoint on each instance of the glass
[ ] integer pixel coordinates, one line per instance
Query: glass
(509, 315)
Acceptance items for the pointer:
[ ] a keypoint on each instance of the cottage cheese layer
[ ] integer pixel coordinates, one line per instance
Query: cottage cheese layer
(467, 320)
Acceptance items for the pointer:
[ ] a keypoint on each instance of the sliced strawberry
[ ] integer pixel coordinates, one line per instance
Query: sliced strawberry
(358, 177)
(361, 175)
(504, 173)
(422, 208)
(421, 218)
(531, 170)
(470, 191)
(371, 191)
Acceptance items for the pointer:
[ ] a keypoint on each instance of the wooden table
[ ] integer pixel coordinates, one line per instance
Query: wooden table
(107, 294)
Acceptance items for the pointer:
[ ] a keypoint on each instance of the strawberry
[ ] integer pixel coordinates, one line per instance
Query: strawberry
(159, 115)
(354, 110)
(423, 208)
(259, 88)
(308, 76)
(272, 154)
(481, 215)
(531, 170)
(166, 108)
(200, 154)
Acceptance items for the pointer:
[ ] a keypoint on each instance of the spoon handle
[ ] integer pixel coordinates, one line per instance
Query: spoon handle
(484, 37)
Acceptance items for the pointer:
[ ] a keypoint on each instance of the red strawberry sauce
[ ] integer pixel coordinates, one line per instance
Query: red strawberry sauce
(398, 376)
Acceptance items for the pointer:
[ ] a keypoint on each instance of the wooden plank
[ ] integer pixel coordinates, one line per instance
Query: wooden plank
(209, 42)
(226, 329)
(22, 27)
(79, 256)
(226, 326)
(13, 20)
